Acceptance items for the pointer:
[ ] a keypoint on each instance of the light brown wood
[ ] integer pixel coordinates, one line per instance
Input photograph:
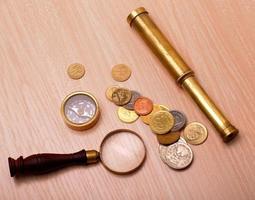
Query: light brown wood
(39, 39)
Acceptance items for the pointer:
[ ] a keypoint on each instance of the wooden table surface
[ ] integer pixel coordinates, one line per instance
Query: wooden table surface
(39, 39)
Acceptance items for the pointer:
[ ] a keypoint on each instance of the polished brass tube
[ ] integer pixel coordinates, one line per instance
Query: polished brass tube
(143, 24)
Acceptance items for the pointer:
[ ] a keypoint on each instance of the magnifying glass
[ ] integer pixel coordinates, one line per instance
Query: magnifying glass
(122, 151)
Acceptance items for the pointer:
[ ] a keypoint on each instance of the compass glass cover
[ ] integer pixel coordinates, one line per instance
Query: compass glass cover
(80, 109)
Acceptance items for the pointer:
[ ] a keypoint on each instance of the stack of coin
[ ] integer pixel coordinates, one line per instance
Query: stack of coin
(131, 103)
(164, 123)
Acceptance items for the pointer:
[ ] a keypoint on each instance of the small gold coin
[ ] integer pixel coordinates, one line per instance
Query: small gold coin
(147, 118)
(121, 72)
(169, 138)
(161, 122)
(76, 71)
(121, 96)
(127, 116)
(195, 133)
(109, 92)
(164, 107)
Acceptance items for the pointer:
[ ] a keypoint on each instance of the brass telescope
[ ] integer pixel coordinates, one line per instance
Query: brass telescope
(143, 24)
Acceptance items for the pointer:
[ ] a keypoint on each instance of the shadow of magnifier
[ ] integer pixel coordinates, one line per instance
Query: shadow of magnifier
(122, 151)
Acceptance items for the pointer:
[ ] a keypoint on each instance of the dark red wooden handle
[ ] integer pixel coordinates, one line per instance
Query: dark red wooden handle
(44, 163)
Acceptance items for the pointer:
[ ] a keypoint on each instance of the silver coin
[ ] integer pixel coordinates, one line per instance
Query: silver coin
(162, 152)
(182, 140)
(179, 120)
(163, 148)
(177, 156)
(135, 96)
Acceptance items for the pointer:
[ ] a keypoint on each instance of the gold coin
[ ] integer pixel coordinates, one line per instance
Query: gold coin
(109, 92)
(169, 138)
(121, 96)
(147, 118)
(161, 122)
(195, 133)
(76, 71)
(127, 116)
(164, 107)
(121, 72)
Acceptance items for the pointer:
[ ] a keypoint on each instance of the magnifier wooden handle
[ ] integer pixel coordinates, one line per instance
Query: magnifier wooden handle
(48, 162)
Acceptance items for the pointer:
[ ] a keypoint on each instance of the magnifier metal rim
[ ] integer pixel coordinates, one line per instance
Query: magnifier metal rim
(85, 125)
(116, 132)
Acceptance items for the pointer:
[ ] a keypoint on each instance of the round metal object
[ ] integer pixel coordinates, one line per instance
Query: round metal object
(122, 151)
(147, 118)
(195, 133)
(127, 116)
(168, 138)
(121, 96)
(121, 72)
(76, 71)
(180, 120)
(80, 110)
(161, 122)
(131, 103)
(163, 149)
(163, 107)
(109, 91)
(177, 156)
(143, 106)
(182, 140)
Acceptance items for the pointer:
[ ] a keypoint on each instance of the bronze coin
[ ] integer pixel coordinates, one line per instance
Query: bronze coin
(169, 138)
(143, 106)
(109, 91)
(121, 96)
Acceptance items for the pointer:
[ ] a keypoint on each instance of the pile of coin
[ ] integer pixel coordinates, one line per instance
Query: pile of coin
(166, 124)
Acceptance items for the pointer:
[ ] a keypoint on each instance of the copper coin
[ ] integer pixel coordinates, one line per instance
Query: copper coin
(169, 138)
(143, 106)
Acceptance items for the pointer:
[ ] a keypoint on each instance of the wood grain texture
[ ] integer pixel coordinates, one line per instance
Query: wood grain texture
(39, 39)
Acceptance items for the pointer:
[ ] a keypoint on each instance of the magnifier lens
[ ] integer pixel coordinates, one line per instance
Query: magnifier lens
(80, 109)
(122, 152)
